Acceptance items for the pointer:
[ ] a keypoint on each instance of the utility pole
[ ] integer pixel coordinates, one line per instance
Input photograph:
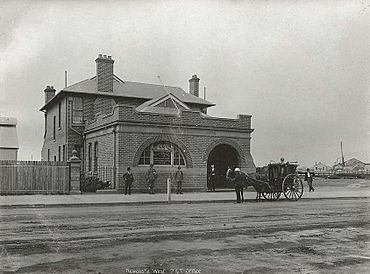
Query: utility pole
(341, 148)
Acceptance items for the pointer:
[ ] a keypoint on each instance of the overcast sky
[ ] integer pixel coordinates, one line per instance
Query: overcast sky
(300, 68)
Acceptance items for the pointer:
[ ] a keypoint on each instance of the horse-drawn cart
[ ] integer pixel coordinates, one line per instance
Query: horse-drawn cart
(277, 178)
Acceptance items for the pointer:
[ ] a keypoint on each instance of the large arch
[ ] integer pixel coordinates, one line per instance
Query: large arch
(220, 155)
(224, 141)
(163, 138)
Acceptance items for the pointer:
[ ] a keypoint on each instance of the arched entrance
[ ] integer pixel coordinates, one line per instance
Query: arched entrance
(221, 157)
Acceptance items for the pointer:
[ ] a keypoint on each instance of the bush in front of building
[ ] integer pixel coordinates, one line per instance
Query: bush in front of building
(92, 184)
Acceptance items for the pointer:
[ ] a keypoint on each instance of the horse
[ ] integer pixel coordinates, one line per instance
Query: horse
(257, 181)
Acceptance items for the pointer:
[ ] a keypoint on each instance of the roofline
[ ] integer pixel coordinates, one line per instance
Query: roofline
(110, 95)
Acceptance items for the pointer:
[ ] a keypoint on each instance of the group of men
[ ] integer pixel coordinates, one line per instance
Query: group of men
(233, 176)
(151, 177)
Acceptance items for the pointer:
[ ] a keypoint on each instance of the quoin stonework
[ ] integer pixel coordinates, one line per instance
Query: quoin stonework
(113, 123)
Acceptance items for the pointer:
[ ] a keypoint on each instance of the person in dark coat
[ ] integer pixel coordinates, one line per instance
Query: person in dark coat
(308, 177)
(212, 179)
(244, 184)
(128, 178)
(238, 184)
(151, 177)
(179, 177)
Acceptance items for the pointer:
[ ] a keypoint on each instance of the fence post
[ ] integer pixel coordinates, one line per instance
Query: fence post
(168, 189)
(75, 173)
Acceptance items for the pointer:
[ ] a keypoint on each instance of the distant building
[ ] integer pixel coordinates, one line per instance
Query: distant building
(320, 167)
(114, 123)
(350, 165)
(8, 139)
(366, 167)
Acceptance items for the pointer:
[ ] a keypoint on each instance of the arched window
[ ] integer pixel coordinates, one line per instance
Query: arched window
(162, 154)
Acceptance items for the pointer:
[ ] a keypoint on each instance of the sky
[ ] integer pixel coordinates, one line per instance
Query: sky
(300, 68)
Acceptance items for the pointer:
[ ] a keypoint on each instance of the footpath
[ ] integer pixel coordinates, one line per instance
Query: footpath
(12, 201)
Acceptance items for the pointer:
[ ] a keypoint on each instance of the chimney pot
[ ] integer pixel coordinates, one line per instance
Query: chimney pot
(194, 85)
(100, 56)
(49, 93)
(104, 73)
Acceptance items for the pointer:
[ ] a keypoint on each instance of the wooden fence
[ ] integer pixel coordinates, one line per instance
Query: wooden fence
(343, 174)
(31, 177)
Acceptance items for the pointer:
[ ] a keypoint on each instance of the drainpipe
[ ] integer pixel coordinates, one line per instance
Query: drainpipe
(115, 157)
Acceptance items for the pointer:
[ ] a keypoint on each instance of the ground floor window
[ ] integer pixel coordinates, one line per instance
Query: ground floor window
(96, 156)
(162, 154)
(89, 158)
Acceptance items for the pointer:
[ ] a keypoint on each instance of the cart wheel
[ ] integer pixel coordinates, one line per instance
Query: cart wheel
(292, 187)
(271, 195)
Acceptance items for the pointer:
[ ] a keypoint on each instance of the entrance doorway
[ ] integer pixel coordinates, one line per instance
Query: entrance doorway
(221, 157)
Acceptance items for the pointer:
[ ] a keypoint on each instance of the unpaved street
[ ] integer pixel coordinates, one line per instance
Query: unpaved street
(308, 236)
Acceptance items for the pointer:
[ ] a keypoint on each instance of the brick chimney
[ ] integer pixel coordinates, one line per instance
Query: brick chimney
(194, 85)
(49, 93)
(104, 73)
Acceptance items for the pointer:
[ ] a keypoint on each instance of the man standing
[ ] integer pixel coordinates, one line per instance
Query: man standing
(229, 171)
(151, 176)
(179, 177)
(212, 179)
(238, 184)
(128, 178)
(308, 178)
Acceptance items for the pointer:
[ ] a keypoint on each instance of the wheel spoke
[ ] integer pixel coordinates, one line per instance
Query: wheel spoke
(295, 195)
(286, 192)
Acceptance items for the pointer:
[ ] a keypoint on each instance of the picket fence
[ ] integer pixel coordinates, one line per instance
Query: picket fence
(34, 177)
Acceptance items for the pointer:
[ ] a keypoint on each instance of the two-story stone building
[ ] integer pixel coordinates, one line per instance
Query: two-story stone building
(114, 123)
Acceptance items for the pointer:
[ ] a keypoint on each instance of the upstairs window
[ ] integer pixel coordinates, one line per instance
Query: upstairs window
(59, 114)
(162, 154)
(77, 107)
(64, 153)
(54, 127)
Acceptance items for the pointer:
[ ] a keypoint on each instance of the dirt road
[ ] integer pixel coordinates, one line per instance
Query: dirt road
(315, 236)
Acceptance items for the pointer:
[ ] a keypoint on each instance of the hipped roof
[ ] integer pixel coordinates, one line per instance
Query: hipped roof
(132, 90)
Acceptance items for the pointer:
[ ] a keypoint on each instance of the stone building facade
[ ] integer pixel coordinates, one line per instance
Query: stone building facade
(114, 124)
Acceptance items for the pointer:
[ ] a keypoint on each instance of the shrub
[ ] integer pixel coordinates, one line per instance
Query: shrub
(92, 184)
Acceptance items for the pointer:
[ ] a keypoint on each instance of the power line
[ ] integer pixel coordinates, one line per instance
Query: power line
(165, 88)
